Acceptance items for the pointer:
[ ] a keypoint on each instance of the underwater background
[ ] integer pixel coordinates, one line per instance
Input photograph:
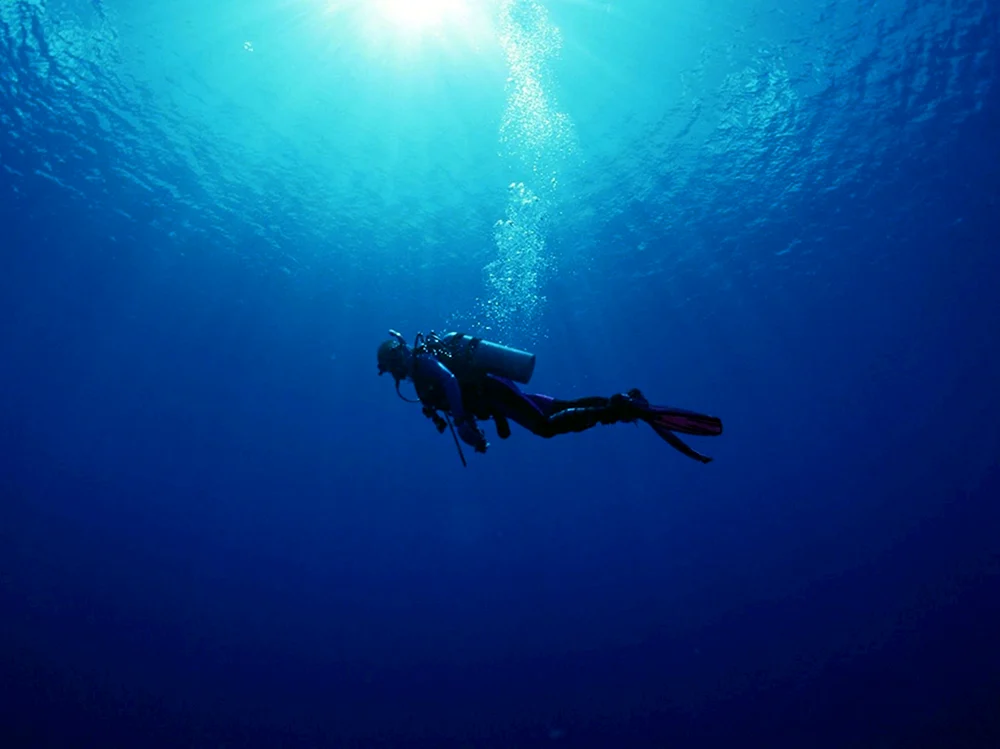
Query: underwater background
(219, 527)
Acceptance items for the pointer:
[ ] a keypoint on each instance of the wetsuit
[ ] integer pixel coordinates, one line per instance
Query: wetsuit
(490, 397)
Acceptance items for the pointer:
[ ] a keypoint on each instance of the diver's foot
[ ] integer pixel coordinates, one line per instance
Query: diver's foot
(635, 395)
(630, 406)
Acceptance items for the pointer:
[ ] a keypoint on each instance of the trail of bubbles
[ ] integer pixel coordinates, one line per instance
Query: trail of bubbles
(536, 139)
(517, 273)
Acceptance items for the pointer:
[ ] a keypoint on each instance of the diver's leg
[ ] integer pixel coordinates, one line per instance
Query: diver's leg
(586, 413)
(541, 415)
(509, 402)
(547, 417)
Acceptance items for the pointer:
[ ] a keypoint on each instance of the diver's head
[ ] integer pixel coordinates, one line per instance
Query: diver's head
(393, 357)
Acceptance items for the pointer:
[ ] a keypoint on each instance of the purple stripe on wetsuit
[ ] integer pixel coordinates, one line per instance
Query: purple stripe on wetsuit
(545, 404)
(522, 408)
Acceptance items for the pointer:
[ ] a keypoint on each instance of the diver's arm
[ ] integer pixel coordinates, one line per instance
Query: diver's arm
(430, 367)
(446, 380)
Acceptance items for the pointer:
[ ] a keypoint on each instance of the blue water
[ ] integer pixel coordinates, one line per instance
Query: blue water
(219, 527)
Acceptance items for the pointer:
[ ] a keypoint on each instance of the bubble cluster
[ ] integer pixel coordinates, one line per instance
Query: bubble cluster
(516, 275)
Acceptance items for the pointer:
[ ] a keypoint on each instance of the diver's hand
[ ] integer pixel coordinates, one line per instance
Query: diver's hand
(472, 435)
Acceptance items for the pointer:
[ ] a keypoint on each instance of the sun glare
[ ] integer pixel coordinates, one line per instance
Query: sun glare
(405, 30)
(418, 15)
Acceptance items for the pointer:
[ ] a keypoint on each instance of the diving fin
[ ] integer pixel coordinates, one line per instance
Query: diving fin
(666, 420)
(678, 444)
(685, 422)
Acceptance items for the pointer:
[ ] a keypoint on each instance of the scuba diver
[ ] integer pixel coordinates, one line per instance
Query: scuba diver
(470, 379)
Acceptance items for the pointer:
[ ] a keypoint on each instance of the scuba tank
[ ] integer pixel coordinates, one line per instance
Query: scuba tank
(487, 357)
(465, 356)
